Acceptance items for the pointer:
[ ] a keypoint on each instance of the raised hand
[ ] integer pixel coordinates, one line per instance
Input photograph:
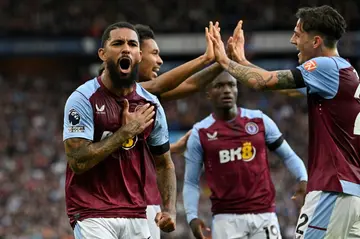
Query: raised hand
(236, 44)
(180, 146)
(197, 226)
(209, 53)
(219, 48)
(165, 221)
(139, 120)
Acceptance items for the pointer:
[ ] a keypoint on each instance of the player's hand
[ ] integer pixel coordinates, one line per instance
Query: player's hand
(236, 44)
(209, 55)
(139, 120)
(166, 221)
(197, 226)
(180, 146)
(219, 48)
(300, 193)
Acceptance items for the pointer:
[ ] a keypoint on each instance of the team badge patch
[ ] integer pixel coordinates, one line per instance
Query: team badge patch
(130, 143)
(310, 65)
(251, 128)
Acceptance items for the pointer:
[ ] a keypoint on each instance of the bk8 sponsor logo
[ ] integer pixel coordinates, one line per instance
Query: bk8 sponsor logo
(246, 153)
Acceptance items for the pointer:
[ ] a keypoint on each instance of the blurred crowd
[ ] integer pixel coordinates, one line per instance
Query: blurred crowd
(79, 17)
(32, 161)
(32, 157)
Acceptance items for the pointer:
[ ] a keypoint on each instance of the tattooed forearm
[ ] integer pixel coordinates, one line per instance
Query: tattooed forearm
(285, 80)
(82, 154)
(249, 76)
(166, 180)
(260, 79)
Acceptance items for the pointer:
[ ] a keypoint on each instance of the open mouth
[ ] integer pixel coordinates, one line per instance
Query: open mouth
(155, 72)
(125, 64)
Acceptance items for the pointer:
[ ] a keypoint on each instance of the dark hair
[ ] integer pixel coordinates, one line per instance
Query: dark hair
(323, 20)
(144, 32)
(106, 34)
(101, 69)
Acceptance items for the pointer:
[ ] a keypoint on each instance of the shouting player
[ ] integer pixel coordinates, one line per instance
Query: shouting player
(115, 133)
(180, 81)
(331, 208)
(232, 144)
(166, 87)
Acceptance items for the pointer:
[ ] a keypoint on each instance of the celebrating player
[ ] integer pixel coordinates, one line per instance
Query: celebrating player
(232, 145)
(180, 81)
(113, 140)
(163, 86)
(331, 208)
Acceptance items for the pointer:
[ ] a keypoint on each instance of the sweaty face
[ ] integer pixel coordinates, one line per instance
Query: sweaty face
(122, 55)
(151, 60)
(223, 92)
(303, 42)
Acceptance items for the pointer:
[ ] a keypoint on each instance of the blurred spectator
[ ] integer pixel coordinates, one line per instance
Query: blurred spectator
(78, 17)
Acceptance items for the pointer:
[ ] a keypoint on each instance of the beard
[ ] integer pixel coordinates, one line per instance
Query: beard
(118, 80)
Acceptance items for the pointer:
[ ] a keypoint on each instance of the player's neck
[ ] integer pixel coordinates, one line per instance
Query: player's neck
(226, 114)
(105, 78)
(329, 52)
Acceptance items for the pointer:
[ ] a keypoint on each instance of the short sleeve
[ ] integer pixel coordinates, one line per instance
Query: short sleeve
(78, 117)
(194, 151)
(272, 132)
(321, 76)
(159, 137)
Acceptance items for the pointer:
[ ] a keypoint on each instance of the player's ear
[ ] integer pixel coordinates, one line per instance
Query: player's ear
(207, 93)
(101, 54)
(317, 41)
(140, 53)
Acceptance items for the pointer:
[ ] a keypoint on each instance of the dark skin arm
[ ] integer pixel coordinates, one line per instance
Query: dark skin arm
(166, 180)
(172, 79)
(195, 83)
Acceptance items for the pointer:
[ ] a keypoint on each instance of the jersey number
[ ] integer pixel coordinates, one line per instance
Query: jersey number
(306, 219)
(357, 96)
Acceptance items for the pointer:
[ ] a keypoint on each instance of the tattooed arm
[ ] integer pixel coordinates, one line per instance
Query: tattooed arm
(254, 77)
(166, 180)
(260, 79)
(83, 155)
(193, 84)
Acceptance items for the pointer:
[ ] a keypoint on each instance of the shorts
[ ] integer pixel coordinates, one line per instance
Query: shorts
(112, 228)
(246, 226)
(151, 212)
(329, 215)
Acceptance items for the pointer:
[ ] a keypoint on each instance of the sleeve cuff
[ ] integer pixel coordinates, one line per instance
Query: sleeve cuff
(160, 149)
(303, 178)
(190, 217)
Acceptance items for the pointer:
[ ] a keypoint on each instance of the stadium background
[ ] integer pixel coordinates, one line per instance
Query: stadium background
(48, 48)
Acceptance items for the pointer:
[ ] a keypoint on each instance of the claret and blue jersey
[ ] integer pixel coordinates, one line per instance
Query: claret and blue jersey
(234, 154)
(334, 125)
(124, 183)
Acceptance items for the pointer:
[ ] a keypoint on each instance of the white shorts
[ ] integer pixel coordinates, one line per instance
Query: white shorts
(112, 228)
(246, 226)
(151, 212)
(329, 215)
